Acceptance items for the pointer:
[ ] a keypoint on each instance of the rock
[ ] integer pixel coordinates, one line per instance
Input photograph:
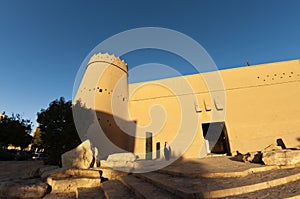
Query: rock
(21, 188)
(271, 147)
(121, 157)
(121, 161)
(70, 184)
(81, 157)
(281, 157)
(83, 173)
(51, 173)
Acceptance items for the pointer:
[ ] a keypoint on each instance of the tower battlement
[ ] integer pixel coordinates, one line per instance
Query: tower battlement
(110, 59)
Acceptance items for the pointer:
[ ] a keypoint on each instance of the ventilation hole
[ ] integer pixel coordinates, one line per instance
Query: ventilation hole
(281, 77)
(100, 90)
(99, 118)
(89, 89)
(292, 73)
(267, 75)
(107, 120)
(123, 99)
(109, 124)
(97, 87)
(105, 89)
(264, 80)
(275, 74)
(290, 76)
(108, 92)
(272, 78)
(283, 73)
(257, 77)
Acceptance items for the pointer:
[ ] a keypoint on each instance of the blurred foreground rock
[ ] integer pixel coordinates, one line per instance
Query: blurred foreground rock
(82, 157)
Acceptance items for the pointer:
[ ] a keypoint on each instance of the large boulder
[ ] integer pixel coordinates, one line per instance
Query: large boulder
(281, 157)
(81, 157)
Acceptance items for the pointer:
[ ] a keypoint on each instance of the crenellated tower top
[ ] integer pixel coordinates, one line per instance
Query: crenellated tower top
(110, 59)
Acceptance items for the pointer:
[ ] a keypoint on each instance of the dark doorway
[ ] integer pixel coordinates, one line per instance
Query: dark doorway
(149, 146)
(216, 137)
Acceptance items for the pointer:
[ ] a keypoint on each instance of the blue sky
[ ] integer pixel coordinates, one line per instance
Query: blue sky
(43, 43)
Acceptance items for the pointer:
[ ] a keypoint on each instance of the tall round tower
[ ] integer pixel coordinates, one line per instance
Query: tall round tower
(104, 91)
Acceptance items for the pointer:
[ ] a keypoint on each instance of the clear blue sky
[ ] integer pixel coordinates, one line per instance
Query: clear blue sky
(42, 43)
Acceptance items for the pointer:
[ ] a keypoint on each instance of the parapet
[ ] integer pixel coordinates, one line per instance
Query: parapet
(110, 59)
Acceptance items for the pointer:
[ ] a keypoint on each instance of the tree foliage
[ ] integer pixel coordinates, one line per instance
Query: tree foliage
(57, 129)
(15, 131)
(37, 142)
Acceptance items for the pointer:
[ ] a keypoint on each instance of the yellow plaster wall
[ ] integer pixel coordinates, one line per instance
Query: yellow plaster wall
(261, 104)
(258, 104)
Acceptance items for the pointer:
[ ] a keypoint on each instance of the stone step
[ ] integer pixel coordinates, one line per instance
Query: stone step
(220, 187)
(289, 190)
(194, 174)
(114, 189)
(90, 193)
(143, 189)
(70, 184)
(68, 195)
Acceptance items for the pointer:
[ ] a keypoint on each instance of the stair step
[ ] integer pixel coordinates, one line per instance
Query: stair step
(220, 187)
(288, 190)
(114, 189)
(167, 182)
(68, 195)
(144, 189)
(90, 193)
(71, 184)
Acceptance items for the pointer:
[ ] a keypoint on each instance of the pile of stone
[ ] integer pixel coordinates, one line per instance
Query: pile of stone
(273, 154)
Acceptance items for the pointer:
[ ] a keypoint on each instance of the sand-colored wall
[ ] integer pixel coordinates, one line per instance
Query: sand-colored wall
(263, 105)
(259, 104)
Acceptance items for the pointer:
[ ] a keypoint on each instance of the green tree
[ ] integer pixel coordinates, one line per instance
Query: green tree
(37, 142)
(58, 131)
(15, 131)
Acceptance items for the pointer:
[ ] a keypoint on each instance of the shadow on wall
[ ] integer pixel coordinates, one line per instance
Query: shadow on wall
(110, 134)
(299, 141)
